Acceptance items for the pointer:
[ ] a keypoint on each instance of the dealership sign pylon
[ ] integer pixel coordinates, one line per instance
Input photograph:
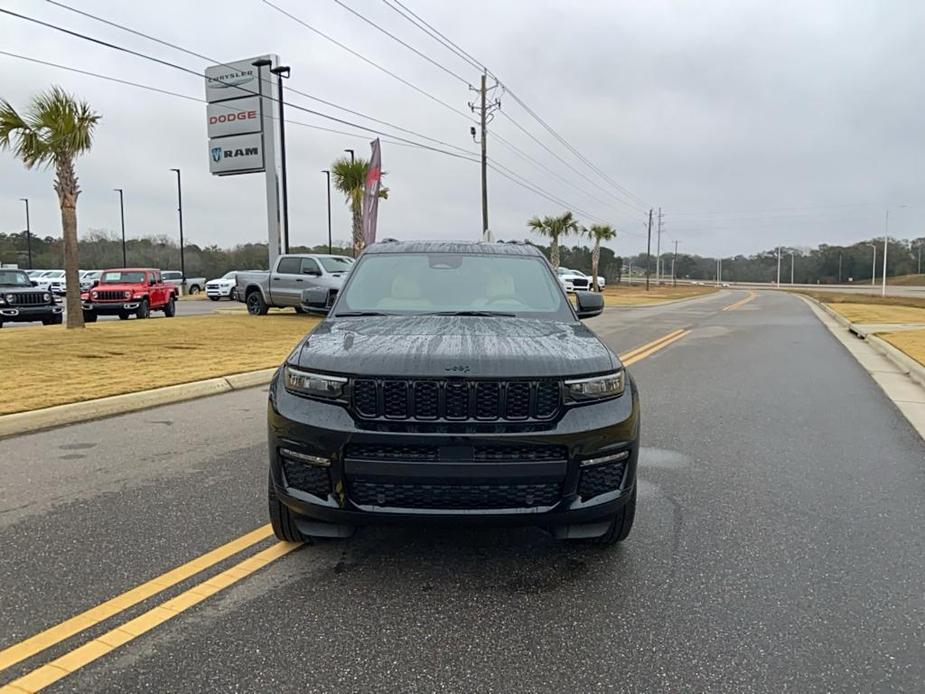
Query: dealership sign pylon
(240, 100)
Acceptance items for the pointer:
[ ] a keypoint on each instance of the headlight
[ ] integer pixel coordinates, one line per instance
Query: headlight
(46, 297)
(312, 384)
(596, 388)
(94, 294)
(127, 294)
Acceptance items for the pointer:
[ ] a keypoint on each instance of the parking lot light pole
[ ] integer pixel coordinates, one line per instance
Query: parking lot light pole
(873, 267)
(180, 214)
(29, 233)
(327, 173)
(282, 71)
(122, 215)
(351, 155)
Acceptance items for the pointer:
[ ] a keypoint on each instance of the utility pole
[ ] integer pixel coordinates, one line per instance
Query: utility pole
(649, 250)
(791, 266)
(327, 173)
(839, 267)
(180, 216)
(282, 71)
(919, 248)
(778, 266)
(122, 214)
(29, 235)
(873, 268)
(658, 250)
(674, 278)
(486, 111)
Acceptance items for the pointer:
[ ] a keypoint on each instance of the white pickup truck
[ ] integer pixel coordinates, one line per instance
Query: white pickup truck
(191, 285)
(291, 275)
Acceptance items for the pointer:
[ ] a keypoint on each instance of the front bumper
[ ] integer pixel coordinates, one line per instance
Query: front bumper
(212, 290)
(29, 313)
(110, 308)
(549, 491)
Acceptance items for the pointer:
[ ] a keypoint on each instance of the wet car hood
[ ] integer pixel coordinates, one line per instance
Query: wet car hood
(464, 346)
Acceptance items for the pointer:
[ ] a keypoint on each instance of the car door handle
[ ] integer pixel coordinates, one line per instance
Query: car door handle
(298, 279)
(276, 278)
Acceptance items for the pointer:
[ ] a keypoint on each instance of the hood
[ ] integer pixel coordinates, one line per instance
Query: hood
(442, 346)
(121, 287)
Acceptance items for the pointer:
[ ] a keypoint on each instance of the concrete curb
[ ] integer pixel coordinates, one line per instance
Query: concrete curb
(900, 359)
(72, 413)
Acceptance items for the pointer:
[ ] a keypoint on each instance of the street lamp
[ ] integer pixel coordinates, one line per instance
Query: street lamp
(283, 71)
(327, 173)
(873, 271)
(180, 214)
(29, 233)
(792, 262)
(886, 238)
(122, 215)
(351, 155)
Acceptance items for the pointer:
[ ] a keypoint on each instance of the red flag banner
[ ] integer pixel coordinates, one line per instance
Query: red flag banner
(371, 194)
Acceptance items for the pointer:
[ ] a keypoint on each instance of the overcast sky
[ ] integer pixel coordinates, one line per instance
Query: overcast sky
(751, 124)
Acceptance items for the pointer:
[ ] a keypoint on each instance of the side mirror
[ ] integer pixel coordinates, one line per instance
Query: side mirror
(589, 304)
(312, 273)
(318, 300)
(95, 283)
(34, 283)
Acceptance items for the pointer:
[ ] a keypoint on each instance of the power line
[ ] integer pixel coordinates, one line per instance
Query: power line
(369, 61)
(209, 59)
(403, 43)
(455, 46)
(581, 174)
(198, 75)
(473, 61)
(433, 33)
(167, 92)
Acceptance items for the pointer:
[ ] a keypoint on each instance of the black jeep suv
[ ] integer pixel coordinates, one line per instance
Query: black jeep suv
(452, 382)
(21, 301)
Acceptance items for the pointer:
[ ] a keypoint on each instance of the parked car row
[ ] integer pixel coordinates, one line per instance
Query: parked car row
(23, 300)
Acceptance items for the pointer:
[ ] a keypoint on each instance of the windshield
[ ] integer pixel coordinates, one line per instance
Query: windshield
(229, 275)
(172, 275)
(335, 263)
(122, 277)
(53, 274)
(409, 283)
(14, 278)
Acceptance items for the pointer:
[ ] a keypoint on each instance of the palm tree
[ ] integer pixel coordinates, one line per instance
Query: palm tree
(598, 233)
(553, 228)
(55, 131)
(350, 179)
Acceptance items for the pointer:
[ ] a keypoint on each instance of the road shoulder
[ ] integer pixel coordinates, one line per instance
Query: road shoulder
(894, 379)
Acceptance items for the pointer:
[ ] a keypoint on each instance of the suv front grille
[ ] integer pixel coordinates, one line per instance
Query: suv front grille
(600, 479)
(367, 492)
(110, 295)
(455, 400)
(29, 299)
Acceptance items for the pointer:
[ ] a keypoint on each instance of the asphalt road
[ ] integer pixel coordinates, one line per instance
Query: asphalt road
(778, 544)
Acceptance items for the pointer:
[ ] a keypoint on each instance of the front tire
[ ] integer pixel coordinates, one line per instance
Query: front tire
(282, 520)
(194, 290)
(170, 310)
(123, 316)
(256, 306)
(144, 310)
(89, 317)
(620, 524)
(214, 298)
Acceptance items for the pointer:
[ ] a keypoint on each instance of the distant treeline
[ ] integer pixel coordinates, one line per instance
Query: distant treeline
(101, 249)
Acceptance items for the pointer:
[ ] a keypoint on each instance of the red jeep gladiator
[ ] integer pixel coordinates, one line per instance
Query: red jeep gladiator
(125, 292)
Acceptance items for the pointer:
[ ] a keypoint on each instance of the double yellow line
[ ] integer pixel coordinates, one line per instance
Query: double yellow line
(73, 660)
(732, 307)
(647, 350)
(125, 632)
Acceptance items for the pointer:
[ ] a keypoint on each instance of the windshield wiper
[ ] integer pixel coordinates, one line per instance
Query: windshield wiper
(498, 314)
(360, 314)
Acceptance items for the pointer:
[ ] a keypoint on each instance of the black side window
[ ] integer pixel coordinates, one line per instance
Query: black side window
(289, 266)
